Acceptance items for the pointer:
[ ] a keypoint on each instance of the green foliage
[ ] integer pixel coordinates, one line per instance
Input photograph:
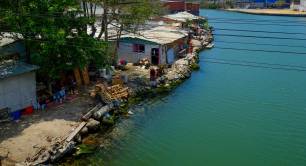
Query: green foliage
(130, 16)
(124, 15)
(55, 32)
(217, 5)
(189, 23)
(204, 24)
(210, 5)
(280, 3)
(85, 149)
(195, 66)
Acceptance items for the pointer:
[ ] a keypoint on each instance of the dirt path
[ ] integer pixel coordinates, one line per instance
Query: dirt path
(20, 140)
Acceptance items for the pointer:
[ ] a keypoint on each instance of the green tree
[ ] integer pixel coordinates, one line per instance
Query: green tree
(54, 32)
(122, 15)
(127, 14)
(280, 3)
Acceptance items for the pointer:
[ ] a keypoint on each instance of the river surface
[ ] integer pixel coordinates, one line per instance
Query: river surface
(242, 108)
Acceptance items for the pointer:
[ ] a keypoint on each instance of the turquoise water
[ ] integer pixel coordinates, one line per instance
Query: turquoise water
(225, 115)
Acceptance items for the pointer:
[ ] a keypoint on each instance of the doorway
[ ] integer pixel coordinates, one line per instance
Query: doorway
(155, 56)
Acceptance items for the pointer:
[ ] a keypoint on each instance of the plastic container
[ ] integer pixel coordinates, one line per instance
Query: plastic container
(28, 110)
(16, 115)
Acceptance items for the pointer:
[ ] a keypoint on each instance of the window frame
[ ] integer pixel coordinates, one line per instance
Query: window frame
(137, 48)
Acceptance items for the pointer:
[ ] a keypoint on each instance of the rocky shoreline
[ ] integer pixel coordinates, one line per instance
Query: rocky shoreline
(107, 115)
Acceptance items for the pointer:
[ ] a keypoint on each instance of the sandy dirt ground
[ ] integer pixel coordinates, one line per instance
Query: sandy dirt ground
(287, 12)
(22, 139)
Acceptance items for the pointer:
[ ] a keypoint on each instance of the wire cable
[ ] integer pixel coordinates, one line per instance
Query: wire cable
(260, 37)
(260, 44)
(260, 31)
(248, 23)
(254, 65)
(257, 63)
(259, 20)
(261, 50)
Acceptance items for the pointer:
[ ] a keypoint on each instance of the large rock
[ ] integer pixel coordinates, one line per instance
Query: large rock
(84, 131)
(62, 150)
(42, 159)
(182, 62)
(98, 115)
(93, 125)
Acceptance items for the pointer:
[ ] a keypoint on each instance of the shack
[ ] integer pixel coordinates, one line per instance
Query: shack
(183, 19)
(160, 45)
(299, 6)
(17, 78)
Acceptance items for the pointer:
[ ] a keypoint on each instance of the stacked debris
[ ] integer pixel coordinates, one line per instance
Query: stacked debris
(144, 63)
(111, 93)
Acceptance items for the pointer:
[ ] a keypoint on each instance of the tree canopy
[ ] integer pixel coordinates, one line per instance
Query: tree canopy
(54, 32)
(123, 15)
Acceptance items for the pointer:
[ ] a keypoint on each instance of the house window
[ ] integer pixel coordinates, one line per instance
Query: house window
(139, 48)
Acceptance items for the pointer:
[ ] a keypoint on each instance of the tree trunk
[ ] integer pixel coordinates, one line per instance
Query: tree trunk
(84, 8)
(104, 24)
(95, 9)
(77, 76)
(119, 32)
(85, 76)
(91, 9)
(101, 29)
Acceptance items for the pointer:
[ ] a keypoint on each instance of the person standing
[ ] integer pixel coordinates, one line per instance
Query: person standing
(153, 77)
(43, 102)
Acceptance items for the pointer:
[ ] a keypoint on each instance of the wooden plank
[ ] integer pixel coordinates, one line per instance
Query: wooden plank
(85, 76)
(89, 113)
(76, 131)
(77, 76)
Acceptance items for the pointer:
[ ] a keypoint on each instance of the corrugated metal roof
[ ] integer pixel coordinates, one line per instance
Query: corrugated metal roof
(6, 38)
(15, 69)
(159, 35)
(182, 16)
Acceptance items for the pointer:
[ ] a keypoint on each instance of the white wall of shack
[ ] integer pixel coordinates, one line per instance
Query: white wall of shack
(303, 5)
(300, 7)
(125, 51)
(18, 92)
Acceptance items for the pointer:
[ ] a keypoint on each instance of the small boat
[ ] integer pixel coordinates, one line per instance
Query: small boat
(211, 45)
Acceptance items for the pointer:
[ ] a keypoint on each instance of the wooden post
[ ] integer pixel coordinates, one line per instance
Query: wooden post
(85, 76)
(77, 76)
(76, 131)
